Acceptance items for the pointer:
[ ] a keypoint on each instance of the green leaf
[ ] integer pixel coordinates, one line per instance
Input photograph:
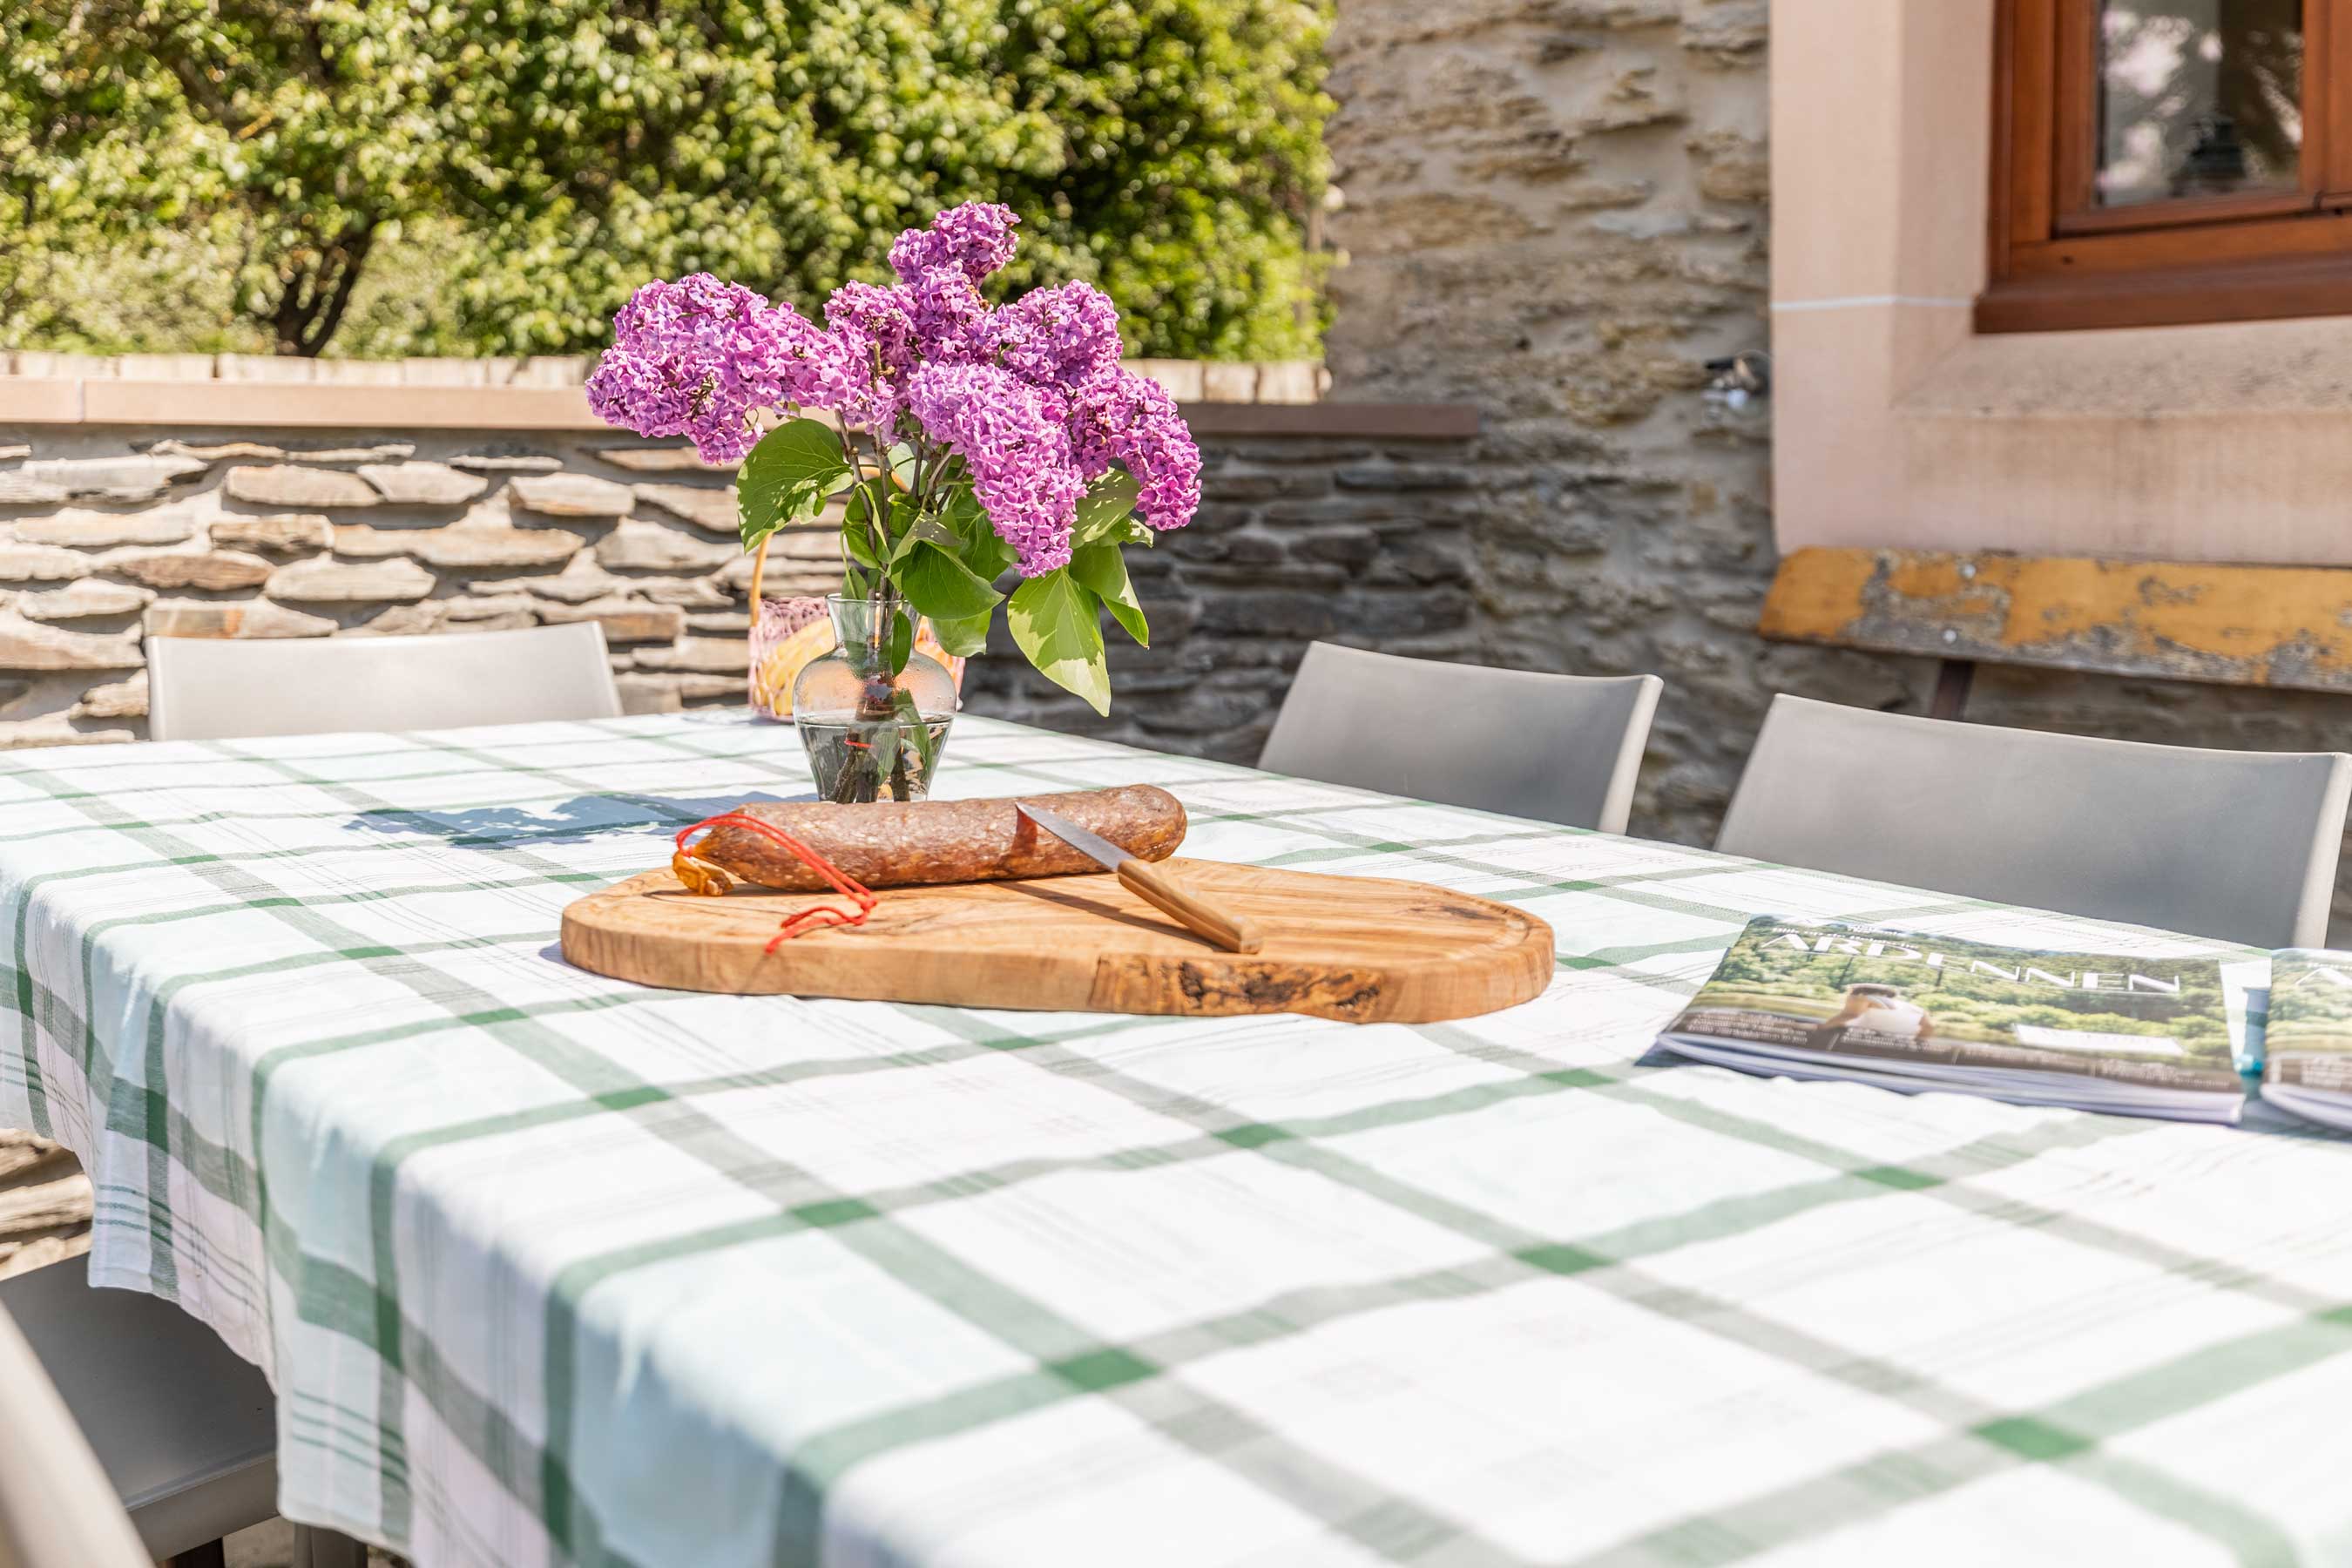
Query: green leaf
(984, 551)
(788, 476)
(883, 741)
(902, 641)
(902, 465)
(943, 587)
(860, 545)
(1104, 507)
(1102, 569)
(965, 635)
(1054, 620)
(917, 733)
(869, 506)
(926, 530)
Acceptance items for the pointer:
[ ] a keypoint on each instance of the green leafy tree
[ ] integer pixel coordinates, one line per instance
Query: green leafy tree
(261, 170)
(300, 134)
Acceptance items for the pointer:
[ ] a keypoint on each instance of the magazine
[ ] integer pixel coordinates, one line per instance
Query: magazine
(2127, 1033)
(2307, 1066)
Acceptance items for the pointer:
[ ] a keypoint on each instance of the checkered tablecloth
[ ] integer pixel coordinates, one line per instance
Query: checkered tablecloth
(551, 1268)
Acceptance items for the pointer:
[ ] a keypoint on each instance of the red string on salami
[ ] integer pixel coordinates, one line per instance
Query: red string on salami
(817, 916)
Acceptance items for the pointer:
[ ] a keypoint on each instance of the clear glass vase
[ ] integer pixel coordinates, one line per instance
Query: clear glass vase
(788, 632)
(871, 736)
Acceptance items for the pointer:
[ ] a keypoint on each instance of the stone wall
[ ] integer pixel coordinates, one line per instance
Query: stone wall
(1298, 539)
(1556, 211)
(44, 1204)
(110, 534)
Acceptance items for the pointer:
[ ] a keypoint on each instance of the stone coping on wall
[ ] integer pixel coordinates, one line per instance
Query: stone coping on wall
(1278, 396)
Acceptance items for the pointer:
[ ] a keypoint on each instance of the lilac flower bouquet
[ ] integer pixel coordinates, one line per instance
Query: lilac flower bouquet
(966, 440)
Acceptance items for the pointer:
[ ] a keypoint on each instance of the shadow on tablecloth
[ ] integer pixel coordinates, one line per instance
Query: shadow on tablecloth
(583, 816)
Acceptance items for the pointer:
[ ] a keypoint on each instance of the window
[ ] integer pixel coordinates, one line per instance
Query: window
(2159, 162)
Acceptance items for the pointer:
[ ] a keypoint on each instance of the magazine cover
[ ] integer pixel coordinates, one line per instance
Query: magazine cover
(2307, 1065)
(1882, 1004)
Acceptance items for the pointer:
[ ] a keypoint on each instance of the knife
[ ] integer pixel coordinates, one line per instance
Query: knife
(1235, 933)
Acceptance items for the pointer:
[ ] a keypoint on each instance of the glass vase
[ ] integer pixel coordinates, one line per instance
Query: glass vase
(788, 632)
(871, 736)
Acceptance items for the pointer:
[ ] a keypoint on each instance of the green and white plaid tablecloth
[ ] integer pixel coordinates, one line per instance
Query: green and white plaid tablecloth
(551, 1268)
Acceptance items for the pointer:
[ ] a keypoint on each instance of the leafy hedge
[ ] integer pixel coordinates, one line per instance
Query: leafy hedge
(478, 176)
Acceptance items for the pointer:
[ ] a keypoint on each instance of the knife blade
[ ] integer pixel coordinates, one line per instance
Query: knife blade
(1234, 932)
(1109, 856)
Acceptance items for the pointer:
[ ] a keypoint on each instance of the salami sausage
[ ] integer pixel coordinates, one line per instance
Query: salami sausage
(886, 845)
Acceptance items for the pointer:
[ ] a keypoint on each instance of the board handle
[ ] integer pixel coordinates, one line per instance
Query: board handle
(1235, 933)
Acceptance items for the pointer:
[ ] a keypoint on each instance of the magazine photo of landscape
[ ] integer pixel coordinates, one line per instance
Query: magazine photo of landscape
(2307, 1042)
(2311, 1002)
(1944, 1007)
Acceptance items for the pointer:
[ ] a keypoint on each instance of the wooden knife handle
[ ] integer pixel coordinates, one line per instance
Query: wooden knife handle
(1235, 933)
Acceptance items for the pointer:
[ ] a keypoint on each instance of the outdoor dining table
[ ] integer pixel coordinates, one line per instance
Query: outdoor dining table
(546, 1267)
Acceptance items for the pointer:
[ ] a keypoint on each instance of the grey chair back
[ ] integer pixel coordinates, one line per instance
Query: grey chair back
(218, 689)
(184, 1431)
(56, 1506)
(2240, 845)
(1557, 748)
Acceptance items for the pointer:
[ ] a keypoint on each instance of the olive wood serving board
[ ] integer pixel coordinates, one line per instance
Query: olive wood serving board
(1364, 949)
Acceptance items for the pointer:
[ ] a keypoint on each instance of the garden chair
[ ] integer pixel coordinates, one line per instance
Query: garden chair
(214, 690)
(2239, 845)
(162, 1446)
(56, 1505)
(1557, 748)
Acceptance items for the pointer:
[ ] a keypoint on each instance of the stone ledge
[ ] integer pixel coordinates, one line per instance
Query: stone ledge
(1192, 381)
(223, 404)
(1405, 421)
(1274, 398)
(40, 400)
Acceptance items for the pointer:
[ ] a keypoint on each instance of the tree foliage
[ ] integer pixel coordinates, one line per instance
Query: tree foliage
(309, 171)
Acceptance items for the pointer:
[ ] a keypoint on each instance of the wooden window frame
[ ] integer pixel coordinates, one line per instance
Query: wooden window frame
(2058, 263)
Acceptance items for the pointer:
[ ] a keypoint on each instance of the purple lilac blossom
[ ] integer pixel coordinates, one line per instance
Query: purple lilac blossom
(1132, 419)
(642, 395)
(951, 322)
(1015, 439)
(876, 332)
(974, 240)
(672, 345)
(699, 357)
(1059, 337)
(1030, 396)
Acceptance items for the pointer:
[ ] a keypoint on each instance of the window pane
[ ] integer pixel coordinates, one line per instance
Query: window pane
(2199, 98)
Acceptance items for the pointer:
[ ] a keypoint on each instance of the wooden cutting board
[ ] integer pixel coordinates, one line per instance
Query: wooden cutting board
(1362, 949)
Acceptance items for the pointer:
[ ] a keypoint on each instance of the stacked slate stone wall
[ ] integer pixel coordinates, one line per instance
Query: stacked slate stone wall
(113, 535)
(1298, 539)
(110, 535)
(1558, 212)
